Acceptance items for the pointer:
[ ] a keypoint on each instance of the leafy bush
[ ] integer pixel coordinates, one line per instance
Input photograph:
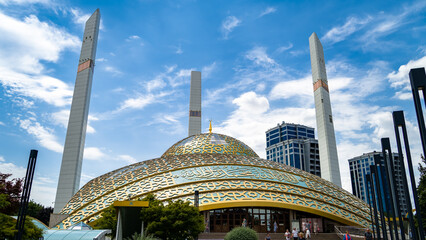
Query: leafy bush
(8, 231)
(137, 236)
(241, 233)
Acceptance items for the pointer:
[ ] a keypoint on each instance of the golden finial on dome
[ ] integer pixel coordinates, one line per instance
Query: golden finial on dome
(210, 126)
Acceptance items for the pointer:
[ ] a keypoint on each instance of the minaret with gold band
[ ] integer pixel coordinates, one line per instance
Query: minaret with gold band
(72, 158)
(326, 137)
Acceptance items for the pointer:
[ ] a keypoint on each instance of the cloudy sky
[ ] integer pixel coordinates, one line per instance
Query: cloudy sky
(256, 72)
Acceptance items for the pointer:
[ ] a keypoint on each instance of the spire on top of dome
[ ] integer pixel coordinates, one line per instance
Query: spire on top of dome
(210, 126)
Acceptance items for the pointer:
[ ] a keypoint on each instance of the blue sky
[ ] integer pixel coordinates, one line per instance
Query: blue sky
(256, 72)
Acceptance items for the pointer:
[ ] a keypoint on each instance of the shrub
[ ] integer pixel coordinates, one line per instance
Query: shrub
(137, 236)
(241, 233)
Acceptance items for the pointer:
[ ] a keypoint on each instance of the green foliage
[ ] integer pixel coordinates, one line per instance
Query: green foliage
(12, 189)
(39, 211)
(107, 221)
(178, 220)
(7, 227)
(3, 201)
(8, 224)
(421, 191)
(241, 233)
(137, 236)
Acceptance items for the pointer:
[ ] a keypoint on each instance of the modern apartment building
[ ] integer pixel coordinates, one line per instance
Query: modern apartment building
(360, 166)
(294, 145)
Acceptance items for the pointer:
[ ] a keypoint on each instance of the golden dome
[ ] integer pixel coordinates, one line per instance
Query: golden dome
(210, 143)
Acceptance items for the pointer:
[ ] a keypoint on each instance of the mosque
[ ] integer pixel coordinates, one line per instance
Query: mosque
(233, 182)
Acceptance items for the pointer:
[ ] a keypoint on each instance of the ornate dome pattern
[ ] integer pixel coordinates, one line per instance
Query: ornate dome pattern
(223, 180)
(210, 143)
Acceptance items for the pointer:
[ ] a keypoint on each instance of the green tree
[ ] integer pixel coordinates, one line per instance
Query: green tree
(178, 220)
(241, 233)
(421, 191)
(8, 231)
(39, 211)
(107, 221)
(144, 236)
(10, 193)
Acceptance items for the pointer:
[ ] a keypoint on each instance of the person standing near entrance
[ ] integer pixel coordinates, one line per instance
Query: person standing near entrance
(275, 226)
(295, 234)
(287, 235)
(244, 223)
(368, 235)
(267, 237)
(308, 234)
(347, 236)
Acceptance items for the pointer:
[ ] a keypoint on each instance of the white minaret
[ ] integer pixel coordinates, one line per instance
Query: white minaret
(72, 158)
(326, 138)
(194, 126)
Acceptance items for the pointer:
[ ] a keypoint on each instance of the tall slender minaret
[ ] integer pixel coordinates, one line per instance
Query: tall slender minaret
(194, 126)
(69, 177)
(326, 138)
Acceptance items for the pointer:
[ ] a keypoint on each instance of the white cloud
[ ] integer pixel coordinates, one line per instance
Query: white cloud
(260, 69)
(228, 25)
(43, 135)
(22, 2)
(43, 189)
(267, 11)
(93, 153)
(284, 48)
(127, 159)
(113, 70)
(134, 37)
(79, 17)
(41, 87)
(259, 56)
(26, 43)
(156, 83)
(400, 79)
(207, 71)
(352, 24)
(30, 41)
(7, 167)
(179, 50)
(141, 101)
(297, 89)
(2, 124)
(386, 24)
(253, 117)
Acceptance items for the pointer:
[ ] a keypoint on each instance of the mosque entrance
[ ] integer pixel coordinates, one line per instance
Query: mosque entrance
(259, 219)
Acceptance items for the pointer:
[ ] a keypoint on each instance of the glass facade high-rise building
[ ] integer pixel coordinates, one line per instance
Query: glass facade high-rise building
(294, 145)
(360, 166)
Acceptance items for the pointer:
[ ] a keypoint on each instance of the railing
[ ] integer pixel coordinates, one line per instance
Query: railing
(353, 231)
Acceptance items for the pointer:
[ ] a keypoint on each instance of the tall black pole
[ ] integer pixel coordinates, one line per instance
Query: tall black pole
(394, 188)
(26, 194)
(399, 121)
(367, 176)
(373, 194)
(418, 82)
(387, 158)
(374, 173)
